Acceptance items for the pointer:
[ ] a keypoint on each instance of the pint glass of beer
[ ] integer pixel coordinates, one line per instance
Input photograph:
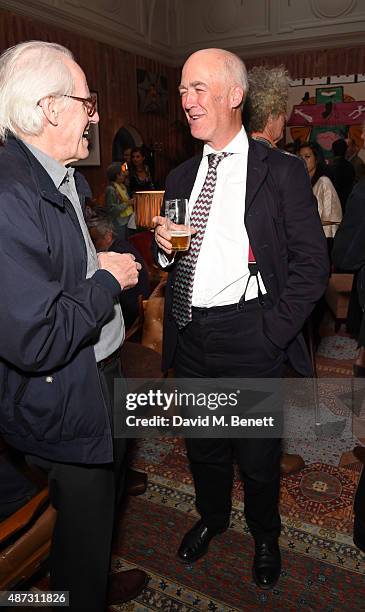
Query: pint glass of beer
(178, 223)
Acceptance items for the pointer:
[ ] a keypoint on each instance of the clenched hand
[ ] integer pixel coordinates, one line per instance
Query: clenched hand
(123, 267)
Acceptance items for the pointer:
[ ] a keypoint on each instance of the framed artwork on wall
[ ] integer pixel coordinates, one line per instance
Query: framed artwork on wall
(324, 109)
(94, 143)
(152, 92)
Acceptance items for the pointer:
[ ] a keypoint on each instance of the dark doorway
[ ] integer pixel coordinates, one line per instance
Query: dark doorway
(127, 137)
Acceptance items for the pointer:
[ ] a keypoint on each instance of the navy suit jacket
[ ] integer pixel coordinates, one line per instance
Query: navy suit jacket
(349, 244)
(286, 235)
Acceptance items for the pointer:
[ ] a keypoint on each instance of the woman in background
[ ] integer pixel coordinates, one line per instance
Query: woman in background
(329, 205)
(118, 204)
(329, 209)
(140, 176)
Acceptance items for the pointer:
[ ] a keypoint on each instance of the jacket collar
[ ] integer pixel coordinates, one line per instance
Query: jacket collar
(256, 171)
(46, 186)
(187, 179)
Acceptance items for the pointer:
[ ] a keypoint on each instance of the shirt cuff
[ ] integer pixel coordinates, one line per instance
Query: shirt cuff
(163, 260)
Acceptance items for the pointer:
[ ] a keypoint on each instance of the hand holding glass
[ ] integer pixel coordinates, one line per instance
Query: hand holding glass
(178, 223)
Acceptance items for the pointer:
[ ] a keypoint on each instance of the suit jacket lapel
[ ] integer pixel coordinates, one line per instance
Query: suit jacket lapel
(256, 170)
(188, 179)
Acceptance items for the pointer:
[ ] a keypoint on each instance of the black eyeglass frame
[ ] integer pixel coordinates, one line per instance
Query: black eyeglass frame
(89, 103)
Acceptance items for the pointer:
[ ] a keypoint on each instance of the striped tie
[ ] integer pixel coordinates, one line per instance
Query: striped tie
(185, 267)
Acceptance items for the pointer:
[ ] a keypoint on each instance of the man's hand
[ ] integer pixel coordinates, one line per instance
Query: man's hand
(163, 236)
(123, 267)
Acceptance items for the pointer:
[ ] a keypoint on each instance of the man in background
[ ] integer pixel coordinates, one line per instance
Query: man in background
(127, 154)
(266, 106)
(61, 322)
(265, 111)
(341, 172)
(352, 155)
(105, 239)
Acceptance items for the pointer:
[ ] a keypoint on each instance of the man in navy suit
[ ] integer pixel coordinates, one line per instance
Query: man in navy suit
(237, 300)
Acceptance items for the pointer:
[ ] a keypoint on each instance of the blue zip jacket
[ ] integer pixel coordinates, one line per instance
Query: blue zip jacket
(51, 402)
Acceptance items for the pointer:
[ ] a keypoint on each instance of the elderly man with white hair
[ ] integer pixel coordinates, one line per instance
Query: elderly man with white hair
(61, 326)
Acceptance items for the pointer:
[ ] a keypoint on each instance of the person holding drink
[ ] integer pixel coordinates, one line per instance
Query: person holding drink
(237, 299)
(178, 223)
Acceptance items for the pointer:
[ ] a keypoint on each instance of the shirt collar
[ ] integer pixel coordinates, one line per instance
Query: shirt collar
(56, 171)
(239, 144)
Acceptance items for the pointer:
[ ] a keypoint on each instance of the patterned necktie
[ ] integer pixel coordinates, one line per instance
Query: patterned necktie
(185, 267)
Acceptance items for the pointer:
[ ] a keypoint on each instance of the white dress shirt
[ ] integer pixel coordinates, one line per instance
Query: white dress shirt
(221, 272)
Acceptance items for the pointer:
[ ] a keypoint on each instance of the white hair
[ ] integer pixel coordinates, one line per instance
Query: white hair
(236, 70)
(29, 72)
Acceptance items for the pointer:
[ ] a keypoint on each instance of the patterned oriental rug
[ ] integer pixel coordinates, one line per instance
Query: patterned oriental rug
(322, 569)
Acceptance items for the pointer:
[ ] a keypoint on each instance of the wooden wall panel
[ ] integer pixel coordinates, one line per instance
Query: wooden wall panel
(112, 73)
(317, 62)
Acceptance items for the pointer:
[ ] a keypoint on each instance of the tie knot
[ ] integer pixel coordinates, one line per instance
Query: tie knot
(215, 158)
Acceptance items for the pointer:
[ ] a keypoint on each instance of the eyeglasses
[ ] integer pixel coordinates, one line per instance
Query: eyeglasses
(89, 103)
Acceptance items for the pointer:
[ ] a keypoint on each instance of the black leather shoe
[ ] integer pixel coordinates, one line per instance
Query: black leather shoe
(359, 535)
(195, 542)
(266, 564)
(136, 482)
(360, 544)
(358, 371)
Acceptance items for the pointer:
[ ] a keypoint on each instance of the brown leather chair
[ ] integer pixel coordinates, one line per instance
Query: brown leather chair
(25, 540)
(25, 535)
(153, 309)
(142, 356)
(148, 326)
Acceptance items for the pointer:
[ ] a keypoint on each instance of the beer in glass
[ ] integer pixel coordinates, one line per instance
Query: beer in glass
(178, 223)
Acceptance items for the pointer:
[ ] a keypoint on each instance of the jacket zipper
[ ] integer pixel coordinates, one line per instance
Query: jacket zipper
(71, 211)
